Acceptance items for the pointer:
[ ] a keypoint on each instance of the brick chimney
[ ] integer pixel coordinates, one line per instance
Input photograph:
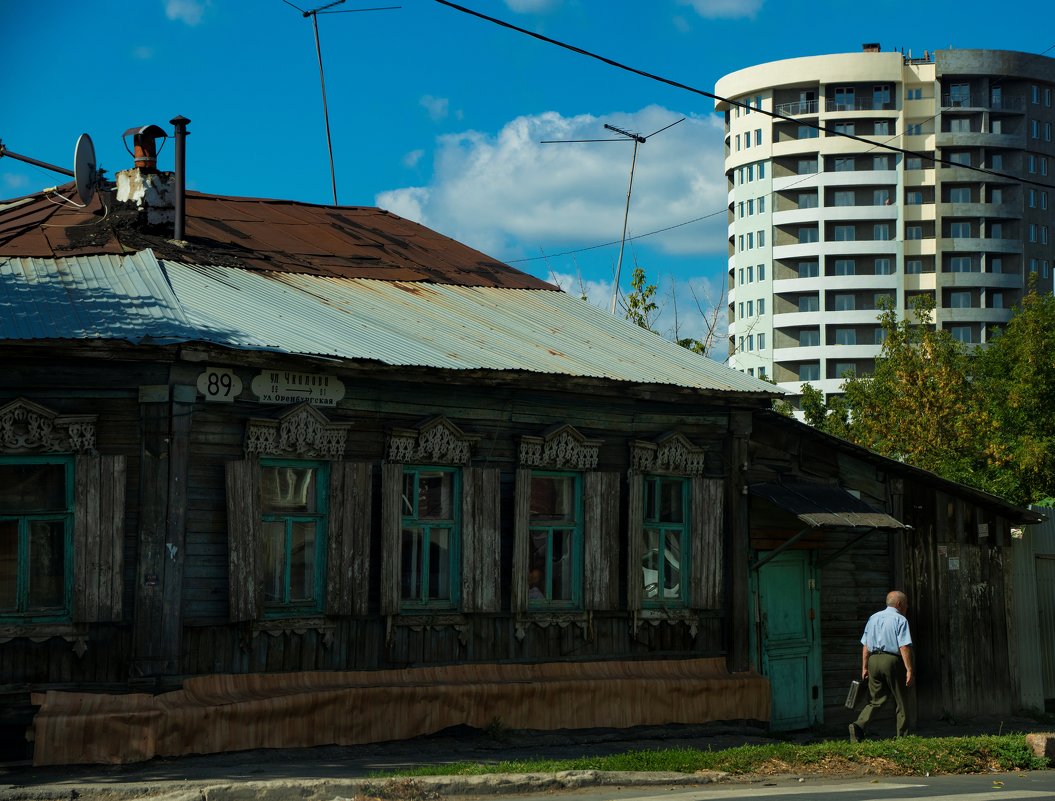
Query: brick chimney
(142, 186)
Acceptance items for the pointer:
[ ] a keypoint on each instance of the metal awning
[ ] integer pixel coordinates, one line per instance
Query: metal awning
(824, 506)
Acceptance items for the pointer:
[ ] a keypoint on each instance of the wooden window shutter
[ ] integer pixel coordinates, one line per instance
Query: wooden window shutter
(348, 539)
(635, 540)
(521, 534)
(391, 536)
(481, 539)
(707, 516)
(98, 538)
(245, 573)
(600, 540)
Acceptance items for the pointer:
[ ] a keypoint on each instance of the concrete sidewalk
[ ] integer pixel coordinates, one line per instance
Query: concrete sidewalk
(323, 774)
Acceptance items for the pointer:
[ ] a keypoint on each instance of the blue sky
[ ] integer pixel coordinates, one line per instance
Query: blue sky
(438, 116)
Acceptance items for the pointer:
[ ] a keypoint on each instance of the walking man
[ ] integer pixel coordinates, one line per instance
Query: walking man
(886, 661)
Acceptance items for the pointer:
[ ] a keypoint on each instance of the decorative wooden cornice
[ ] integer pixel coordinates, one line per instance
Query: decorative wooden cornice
(436, 441)
(670, 453)
(27, 427)
(302, 432)
(560, 448)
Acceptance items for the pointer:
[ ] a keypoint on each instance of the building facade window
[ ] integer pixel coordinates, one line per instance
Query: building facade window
(809, 371)
(913, 232)
(431, 526)
(761, 272)
(884, 266)
(293, 503)
(555, 540)
(809, 337)
(36, 537)
(809, 303)
(913, 266)
(666, 541)
(845, 233)
(845, 267)
(808, 234)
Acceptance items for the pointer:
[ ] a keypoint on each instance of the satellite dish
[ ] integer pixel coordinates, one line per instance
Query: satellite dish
(85, 174)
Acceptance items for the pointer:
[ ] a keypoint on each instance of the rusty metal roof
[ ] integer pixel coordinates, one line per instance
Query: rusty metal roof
(138, 298)
(824, 506)
(259, 234)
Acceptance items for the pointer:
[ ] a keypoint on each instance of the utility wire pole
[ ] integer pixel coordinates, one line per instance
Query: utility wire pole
(637, 139)
(314, 14)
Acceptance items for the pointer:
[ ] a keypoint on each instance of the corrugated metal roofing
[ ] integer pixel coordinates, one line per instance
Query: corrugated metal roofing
(820, 505)
(260, 234)
(400, 323)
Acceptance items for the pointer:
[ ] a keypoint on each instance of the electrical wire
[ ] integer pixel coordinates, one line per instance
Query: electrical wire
(611, 62)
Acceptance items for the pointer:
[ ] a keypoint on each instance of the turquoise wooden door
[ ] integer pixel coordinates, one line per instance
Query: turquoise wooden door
(787, 633)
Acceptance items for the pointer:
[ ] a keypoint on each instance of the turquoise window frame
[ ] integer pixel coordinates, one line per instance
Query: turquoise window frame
(287, 607)
(652, 500)
(548, 530)
(453, 524)
(21, 613)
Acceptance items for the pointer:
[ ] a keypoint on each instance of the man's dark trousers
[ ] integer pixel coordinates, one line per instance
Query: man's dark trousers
(886, 677)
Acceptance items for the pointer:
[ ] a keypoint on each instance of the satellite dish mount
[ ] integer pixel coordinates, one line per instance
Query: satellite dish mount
(86, 175)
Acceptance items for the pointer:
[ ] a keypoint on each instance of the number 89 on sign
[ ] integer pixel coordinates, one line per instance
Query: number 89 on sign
(219, 384)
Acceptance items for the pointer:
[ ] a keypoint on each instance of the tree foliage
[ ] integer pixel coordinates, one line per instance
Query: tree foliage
(985, 417)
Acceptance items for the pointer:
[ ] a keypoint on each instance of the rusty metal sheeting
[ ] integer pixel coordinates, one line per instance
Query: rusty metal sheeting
(821, 505)
(443, 326)
(260, 234)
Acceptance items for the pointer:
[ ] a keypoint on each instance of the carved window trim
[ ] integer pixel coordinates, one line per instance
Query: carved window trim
(28, 427)
(302, 432)
(436, 441)
(560, 448)
(670, 454)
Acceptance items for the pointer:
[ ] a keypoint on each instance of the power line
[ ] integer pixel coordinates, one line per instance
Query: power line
(712, 96)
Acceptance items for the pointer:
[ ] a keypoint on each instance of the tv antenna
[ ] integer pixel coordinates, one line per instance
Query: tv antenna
(314, 14)
(637, 139)
(86, 176)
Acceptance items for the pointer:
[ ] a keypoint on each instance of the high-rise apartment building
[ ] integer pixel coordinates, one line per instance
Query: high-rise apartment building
(933, 175)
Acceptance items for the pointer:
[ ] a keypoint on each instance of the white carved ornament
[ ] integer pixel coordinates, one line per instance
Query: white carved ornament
(564, 448)
(672, 453)
(437, 441)
(26, 427)
(303, 432)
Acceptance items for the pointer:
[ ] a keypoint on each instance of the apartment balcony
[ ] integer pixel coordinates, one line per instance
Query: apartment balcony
(919, 247)
(858, 104)
(975, 210)
(860, 246)
(921, 282)
(799, 108)
(949, 316)
(797, 216)
(797, 285)
(800, 319)
(980, 102)
(918, 212)
(980, 139)
(797, 250)
(976, 244)
(855, 177)
(799, 353)
(852, 317)
(979, 279)
(871, 212)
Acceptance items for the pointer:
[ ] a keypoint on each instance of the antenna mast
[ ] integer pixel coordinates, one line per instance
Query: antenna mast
(314, 14)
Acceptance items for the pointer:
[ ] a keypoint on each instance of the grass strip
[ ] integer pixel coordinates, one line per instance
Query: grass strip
(904, 756)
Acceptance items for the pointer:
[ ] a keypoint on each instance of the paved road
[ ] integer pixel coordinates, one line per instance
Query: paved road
(992, 787)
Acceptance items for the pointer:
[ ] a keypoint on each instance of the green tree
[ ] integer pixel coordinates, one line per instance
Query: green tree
(919, 405)
(1015, 379)
(640, 305)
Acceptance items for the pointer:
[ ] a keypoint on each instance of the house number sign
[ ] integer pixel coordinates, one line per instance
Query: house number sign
(285, 386)
(219, 384)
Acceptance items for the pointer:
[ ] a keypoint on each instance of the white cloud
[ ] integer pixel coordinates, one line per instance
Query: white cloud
(509, 195)
(531, 6)
(681, 25)
(187, 11)
(412, 158)
(142, 52)
(712, 9)
(437, 107)
(12, 181)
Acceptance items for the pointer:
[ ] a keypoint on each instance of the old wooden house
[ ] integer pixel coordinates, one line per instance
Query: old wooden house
(310, 475)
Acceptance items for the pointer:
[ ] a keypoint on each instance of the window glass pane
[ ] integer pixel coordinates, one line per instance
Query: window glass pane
(552, 499)
(561, 566)
(47, 564)
(412, 563)
(288, 489)
(435, 495)
(8, 565)
(302, 561)
(274, 536)
(671, 501)
(28, 488)
(439, 564)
